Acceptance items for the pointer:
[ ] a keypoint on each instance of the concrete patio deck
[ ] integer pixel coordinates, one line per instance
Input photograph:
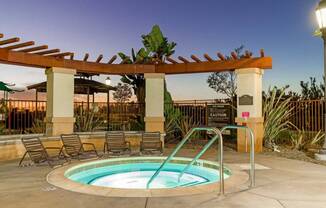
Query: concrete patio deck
(288, 183)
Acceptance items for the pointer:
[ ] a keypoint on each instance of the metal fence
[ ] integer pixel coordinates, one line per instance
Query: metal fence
(308, 115)
(23, 116)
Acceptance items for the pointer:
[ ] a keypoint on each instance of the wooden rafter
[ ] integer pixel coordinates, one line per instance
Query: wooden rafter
(37, 48)
(8, 41)
(86, 57)
(99, 58)
(171, 60)
(234, 55)
(221, 56)
(184, 60)
(195, 58)
(112, 59)
(48, 51)
(20, 45)
(72, 56)
(262, 53)
(207, 57)
(1, 35)
(62, 54)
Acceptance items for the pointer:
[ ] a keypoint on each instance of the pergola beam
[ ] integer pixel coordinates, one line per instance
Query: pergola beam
(215, 66)
(8, 41)
(86, 57)
(99, 58)
(195, 58)
(20, 45)
(208, 58)
(1, 35)
(37, 48)
(171, 60)
(184, 60)
(39, 61)
(112, 59)
(48, 52)
(62, 54)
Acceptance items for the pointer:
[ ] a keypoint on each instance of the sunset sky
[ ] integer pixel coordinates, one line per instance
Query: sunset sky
(283, 28)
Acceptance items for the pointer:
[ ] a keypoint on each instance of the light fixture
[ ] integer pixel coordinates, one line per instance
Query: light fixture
(108, 81)
(321, 15)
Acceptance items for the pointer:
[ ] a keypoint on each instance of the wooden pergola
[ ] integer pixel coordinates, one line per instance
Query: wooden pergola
(14, 52)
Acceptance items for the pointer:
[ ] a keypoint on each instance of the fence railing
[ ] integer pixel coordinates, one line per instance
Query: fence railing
(23, 116)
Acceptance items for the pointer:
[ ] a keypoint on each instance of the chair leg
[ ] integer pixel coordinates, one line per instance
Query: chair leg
(21, 160)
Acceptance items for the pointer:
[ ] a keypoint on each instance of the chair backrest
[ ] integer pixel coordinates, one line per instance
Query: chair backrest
(151, 141)
(72, 143)
(151, 137)
(115, 139)
(34, 148)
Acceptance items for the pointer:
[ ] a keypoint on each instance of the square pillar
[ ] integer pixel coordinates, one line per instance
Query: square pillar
(60, 101)
(154, 102)
(249, 87)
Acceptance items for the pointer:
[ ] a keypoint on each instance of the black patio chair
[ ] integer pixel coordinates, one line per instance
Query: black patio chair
(74, 148)
(38, 154)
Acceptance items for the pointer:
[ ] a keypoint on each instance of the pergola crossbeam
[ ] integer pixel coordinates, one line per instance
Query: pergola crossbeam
(1, 35)
(112, 59)
(221, 56)
(60, 55)
(20, 45)
(171, 60)
(208, 58)
(86, 57)
(99, 58)
(184, 60)
(8, 41)
(195, 58)
(48, 52)
(37, 48)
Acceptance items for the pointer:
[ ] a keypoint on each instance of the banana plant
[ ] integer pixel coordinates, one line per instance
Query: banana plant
(156, 49)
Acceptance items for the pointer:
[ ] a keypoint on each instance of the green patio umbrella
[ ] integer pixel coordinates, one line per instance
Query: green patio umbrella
(4, 87)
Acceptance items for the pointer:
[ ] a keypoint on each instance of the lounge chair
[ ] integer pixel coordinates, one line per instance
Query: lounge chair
(115, 142)
(75, 148)
(151, 143)
(39, 154)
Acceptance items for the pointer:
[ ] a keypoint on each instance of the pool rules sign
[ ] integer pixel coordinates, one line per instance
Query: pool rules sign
(218, 115)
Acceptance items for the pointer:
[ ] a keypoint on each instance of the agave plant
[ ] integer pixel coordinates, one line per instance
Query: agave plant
(86, 120)
(276, 113)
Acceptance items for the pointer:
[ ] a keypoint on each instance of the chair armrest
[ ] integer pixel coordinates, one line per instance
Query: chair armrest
(90, 144)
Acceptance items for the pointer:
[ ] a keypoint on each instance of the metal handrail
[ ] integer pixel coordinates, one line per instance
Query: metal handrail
(252, 150)
(205, 148)
(175, 151)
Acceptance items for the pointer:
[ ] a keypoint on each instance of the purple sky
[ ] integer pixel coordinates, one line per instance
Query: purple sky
(282, 27)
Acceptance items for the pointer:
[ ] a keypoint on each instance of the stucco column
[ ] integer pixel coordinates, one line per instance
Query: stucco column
(154, 102)
(60, 101)
(249, 92)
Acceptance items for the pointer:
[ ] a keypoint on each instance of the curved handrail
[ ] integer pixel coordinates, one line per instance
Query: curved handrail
(221, 170)
(175, 151)
(252, 150)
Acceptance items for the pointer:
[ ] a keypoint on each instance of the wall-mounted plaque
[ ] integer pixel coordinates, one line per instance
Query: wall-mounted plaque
(246, 100)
